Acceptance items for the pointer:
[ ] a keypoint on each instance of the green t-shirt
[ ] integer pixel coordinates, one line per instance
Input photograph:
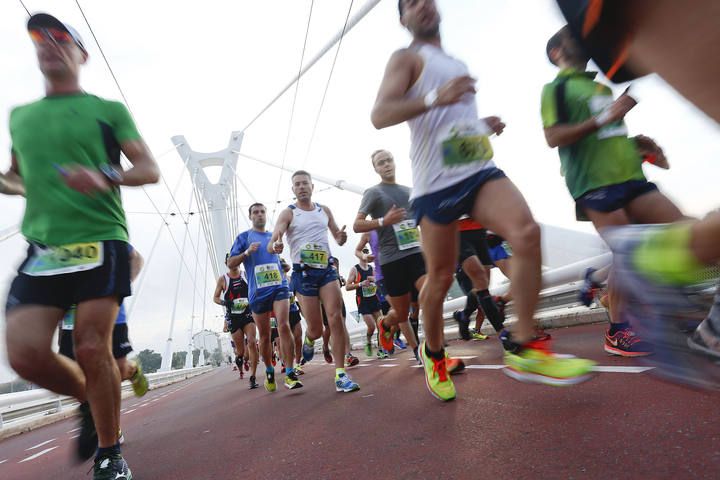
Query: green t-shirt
(76, 129)
(605, 157)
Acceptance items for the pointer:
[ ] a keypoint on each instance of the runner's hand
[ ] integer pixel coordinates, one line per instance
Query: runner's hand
(647, 146)
(253, 247)
(495, 124)
(276, 247)
(394, 215)
(85, 180)
(341, 236)
(453, 91)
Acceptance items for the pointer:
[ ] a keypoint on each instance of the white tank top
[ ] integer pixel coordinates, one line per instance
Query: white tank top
(307, 233)
(428, 130)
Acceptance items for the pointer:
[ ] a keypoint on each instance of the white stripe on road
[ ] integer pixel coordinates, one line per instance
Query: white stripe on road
(621, 369)
(40, 444)
(485, 367)
(74, 430)
(388, 365)
(74, 436)
(33, 457)
(130, 411)
(462, 358)
(2, 461)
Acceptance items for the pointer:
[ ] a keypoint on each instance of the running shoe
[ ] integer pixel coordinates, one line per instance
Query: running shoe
(381, 355)
(87, 442)
(463, 324)
(454, 365)
(121, 437)
(139, 381)
(253, 383)
(706, 340)
(400, 344)
(111, 467)
(299, 370)
(476, 335)
(343, 383)
(385, 337)
(292, 382)
(662, 284)
(351, 360)
(234, 367)
(246, 364)
(308, 349)
(327, 356)
(589, 288)
(626, 343)
(368, 350)
(270, 381)
(437, 378)
(535, 362)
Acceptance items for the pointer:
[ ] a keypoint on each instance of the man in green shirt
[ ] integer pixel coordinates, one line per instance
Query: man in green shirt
(601, 165)
(66, 160)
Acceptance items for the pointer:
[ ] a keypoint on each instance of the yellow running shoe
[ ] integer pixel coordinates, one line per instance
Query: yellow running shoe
(476, 335)
(537, 364)
(139, 381)
(437, 378)
(270, 385)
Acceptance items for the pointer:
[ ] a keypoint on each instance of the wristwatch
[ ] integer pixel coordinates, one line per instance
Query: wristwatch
(112, 175)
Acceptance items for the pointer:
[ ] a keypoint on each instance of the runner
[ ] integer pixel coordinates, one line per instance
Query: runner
(657, 263)
(474, 280)
(399, 247)
(295, 318)
(371, 239)
(361, 278)
(231, 291)
(75, 224)
(453, 175)
(268, 293)
(306, 224)
(601, 165)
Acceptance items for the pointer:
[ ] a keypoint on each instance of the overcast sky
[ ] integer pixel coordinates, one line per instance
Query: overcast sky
(205, 69)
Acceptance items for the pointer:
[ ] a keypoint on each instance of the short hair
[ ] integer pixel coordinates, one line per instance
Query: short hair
(372, 155)
(301, 172)
(256, 204)
(556, 42)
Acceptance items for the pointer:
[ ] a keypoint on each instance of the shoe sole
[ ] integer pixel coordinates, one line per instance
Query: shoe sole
(347, 390)
(294, 387)
(623, 353)
(527, 377)
(269, 390)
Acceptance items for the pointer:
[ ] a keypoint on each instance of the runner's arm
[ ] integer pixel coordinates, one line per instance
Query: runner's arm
(219, 287)
(364, 240)
(144, 168)
(351, 285)
(338, 233)
(281, 226)
(363, 225)
(391, 106)
(564, 134)
(11, 182)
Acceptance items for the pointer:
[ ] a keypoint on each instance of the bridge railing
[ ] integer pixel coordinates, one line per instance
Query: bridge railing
(20, 406)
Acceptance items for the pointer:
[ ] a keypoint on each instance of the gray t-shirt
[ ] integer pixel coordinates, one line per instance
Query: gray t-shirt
(376, 202)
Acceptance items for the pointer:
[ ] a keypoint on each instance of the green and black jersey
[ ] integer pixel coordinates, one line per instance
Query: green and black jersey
(62, 131)
(605, 157)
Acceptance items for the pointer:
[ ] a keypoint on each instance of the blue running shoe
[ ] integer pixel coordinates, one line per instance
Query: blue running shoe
(400, 344)
(343, 383)
(308, 349)
(588, 289)
(662, 303)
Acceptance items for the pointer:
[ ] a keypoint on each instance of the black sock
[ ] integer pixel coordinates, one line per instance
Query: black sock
(415, 324)
(107, 451)
(616, 327)
(238, 362)
(437, 356)
(490, 309)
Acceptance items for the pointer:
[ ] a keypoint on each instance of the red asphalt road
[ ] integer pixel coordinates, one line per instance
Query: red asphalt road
(619, 425)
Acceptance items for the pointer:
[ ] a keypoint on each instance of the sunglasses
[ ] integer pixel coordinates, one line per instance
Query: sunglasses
(51, 35)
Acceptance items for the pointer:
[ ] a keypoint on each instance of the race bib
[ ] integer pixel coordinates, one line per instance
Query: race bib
(369, 291)
(407, 234)
(466, 142)
(75, 257)
(267, 275)
(68, 321)
(238, 305)
(314, 255)
(616, 129)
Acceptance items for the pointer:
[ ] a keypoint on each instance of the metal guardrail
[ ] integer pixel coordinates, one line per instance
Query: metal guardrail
(19, 406)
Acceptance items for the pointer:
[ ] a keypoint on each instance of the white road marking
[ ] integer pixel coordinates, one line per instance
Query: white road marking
(388, 365)
(74, 436)
(621, 369)
(74, 430)
(2, 461)
(367, 396)
(485, 367)
(130, 411)
(462, 358)
(40, 444)
(33, 457)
